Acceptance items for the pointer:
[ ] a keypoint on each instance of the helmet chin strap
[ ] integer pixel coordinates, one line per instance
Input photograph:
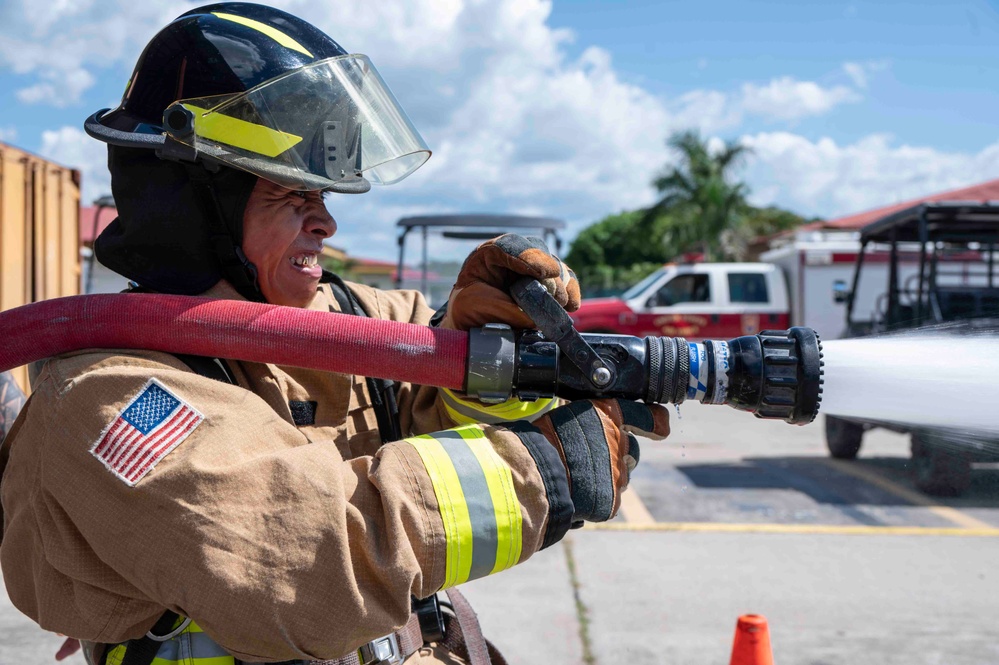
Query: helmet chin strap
(225, 239)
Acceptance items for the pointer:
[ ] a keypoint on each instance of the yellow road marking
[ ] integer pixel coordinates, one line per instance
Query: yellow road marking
(821, 529)
(633, 510)
(946, 512)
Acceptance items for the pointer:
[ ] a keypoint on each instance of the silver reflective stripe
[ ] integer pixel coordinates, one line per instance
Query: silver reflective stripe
(477, 498)
(203, 646)
(190, 647)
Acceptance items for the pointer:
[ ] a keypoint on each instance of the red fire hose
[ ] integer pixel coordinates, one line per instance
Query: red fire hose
(235, 329)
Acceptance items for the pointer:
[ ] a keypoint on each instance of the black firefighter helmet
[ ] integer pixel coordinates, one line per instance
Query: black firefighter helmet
(222, 95)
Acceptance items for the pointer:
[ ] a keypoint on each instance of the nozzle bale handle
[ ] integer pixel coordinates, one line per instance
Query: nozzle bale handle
(554, 323)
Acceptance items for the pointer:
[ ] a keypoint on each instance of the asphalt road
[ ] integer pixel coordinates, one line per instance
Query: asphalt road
(732, 515)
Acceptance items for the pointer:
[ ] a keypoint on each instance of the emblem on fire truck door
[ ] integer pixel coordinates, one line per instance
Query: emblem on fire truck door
(680, 325)
(750, 324)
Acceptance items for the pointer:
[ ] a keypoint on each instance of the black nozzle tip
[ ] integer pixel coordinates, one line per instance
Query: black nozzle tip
(809, 398)
(778, 374)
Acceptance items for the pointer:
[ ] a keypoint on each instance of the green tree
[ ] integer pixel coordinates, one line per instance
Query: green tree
(756, 223)
(701, 208)
(770, 220)
(705, 206)
(615, 252)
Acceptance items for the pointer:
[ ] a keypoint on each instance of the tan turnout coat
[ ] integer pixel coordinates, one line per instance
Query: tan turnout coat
(280, 541)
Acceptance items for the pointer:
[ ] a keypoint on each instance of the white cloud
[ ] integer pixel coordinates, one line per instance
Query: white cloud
(709, 111)
(55, 10)
(62, 45)
(8, 134)
(72, 147)
(788, 99)
(828, 179)
(860, 72)
(857, 73)
(515, 123)
(512, 120)
(61, 87)
(784, 99)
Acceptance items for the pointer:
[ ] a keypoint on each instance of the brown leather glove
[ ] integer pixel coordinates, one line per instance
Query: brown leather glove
(594, 439)
(481, 293)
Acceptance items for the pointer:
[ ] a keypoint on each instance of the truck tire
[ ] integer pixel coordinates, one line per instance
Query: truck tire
(938, 470)
(843, 438)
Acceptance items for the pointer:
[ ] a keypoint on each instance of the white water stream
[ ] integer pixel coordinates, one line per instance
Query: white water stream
(931, 379)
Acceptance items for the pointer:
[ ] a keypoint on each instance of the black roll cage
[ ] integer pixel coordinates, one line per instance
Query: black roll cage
(933, 229)
(473, 227)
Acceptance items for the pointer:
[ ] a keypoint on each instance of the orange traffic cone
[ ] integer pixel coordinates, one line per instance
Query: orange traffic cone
(752, 641)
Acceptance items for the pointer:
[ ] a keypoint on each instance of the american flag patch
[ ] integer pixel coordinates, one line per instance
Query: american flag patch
(155, 422)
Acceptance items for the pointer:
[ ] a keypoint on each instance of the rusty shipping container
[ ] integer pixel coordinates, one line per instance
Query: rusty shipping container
(39, 232)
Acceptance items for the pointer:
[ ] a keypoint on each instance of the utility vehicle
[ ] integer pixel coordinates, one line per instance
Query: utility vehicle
(949, 250)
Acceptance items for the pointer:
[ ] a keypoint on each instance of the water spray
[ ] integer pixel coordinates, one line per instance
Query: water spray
(937, 378)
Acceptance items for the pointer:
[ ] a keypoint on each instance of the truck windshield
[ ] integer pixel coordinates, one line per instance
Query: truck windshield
(639, 288)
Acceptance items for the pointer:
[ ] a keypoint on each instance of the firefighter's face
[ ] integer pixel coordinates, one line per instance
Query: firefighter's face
(283, 232)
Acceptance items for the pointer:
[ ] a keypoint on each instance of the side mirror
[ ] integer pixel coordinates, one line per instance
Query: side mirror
(841, 294)
(653, 301)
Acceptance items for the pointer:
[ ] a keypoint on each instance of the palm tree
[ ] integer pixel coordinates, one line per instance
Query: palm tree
(705, 207)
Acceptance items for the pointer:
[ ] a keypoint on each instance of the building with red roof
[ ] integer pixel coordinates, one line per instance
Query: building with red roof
(985, 191)
(102, 215)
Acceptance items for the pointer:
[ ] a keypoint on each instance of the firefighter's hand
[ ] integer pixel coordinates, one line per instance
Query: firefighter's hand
(68, 648)
(595, 440)
(481, 294)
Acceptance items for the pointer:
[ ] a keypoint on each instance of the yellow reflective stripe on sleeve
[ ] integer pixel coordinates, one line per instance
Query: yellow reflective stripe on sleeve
(273, 33)
(483, 523)
(240, 133)
(467, 412)
(452, 506)
(506, 506)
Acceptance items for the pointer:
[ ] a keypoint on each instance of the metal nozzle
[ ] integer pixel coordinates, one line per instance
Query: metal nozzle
(775, 374)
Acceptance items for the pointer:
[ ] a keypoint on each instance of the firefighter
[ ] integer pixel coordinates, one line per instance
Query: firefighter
(209, 511)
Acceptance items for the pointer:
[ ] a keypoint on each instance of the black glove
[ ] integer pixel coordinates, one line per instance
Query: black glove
(594, 439)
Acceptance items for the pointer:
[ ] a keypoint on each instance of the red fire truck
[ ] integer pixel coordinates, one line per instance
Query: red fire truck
(694, 300)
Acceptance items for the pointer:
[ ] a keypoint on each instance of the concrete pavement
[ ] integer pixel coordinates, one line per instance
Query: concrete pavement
(661, 597)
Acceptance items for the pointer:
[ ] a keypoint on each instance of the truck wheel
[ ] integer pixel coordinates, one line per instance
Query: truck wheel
(938, 470)
(843, 438)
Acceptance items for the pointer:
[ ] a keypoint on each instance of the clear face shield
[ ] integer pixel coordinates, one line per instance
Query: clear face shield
(333, 125)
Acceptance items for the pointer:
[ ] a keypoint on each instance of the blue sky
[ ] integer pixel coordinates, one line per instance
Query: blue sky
(938, 81)
(562, 108)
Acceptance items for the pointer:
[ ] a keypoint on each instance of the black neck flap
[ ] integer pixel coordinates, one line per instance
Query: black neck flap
(179, 227)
